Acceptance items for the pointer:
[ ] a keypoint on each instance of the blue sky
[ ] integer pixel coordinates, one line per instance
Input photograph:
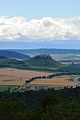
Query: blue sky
(40, 8)
(44, 11)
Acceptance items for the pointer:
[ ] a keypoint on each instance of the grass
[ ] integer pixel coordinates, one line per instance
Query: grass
(5, 88)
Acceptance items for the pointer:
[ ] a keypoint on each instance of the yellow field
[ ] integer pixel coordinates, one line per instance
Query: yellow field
(55, 82)
(10, 76)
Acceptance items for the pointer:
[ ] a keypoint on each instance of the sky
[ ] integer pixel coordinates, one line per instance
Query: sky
(53, 23)
(40, 8)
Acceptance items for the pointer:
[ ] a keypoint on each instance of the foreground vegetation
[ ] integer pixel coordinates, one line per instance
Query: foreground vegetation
(6, 88)
(41, 105)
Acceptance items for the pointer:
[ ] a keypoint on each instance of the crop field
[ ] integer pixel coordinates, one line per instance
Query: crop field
(60, 81)
(14, 77)
(10, 76)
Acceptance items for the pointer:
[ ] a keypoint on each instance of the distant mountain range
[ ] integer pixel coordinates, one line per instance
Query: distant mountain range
(47, 51)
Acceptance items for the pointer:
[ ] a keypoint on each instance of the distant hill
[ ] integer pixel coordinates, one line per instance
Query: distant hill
(43, 61)
(47, 51)
(12, 54)
(8, 62)
(39, 63)
(1, 57)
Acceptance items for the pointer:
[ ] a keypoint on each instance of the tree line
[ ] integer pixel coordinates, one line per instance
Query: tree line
(50, 76)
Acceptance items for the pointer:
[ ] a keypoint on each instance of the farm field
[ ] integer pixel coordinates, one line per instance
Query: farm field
(60, 81)
(10, 76)
(14, 77)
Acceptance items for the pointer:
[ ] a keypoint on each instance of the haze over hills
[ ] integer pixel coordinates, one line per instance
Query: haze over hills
(47, 51)
(21, 44)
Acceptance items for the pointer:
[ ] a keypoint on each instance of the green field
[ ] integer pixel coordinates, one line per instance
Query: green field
(5, 88)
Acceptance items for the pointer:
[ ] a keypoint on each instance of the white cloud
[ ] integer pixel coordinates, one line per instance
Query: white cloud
(47, 28)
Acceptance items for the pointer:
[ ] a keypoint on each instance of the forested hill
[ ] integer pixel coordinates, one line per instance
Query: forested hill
(39, 62)
(43, 61)
(12, 54)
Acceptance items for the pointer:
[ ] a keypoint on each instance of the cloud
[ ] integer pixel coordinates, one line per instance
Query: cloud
(46, 28)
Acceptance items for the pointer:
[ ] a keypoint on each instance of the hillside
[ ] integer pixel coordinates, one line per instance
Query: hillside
(39, 63)
(43, 61)
(11, 54)
(8, 62)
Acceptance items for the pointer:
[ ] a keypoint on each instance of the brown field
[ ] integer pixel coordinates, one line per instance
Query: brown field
(10, 76)
(61, 81)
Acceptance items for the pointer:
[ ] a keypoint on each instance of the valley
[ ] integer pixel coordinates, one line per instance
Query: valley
(18, 69)
(15, 77)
